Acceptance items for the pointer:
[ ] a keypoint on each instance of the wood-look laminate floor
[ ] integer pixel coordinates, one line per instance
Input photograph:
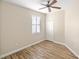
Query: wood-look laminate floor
(43, 50)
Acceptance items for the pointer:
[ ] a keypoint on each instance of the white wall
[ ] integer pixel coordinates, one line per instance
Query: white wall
(72, 25)
(16, 27)
(55, 26)
(0, 27)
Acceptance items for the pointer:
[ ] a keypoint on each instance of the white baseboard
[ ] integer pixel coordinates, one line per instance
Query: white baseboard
(67, 47)
(4, 55)
(57, 42)
(72, 50)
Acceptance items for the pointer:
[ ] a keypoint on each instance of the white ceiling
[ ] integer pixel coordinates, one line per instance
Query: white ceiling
(35, 4)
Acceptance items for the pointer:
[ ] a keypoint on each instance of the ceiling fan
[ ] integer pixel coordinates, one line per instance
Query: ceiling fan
(49, 5)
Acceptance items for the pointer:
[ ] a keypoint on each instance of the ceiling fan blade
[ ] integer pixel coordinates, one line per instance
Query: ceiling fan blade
(53, 2)
(49, 9)
(55, 7)
(42, 8)
(43, 4)
(48, 1)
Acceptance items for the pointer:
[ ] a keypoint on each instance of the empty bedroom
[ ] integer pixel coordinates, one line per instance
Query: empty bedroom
(39, 29)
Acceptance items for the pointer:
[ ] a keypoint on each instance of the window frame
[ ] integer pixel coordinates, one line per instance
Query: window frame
(36, 24)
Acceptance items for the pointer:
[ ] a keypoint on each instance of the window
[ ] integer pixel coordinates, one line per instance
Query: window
(35, 24)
